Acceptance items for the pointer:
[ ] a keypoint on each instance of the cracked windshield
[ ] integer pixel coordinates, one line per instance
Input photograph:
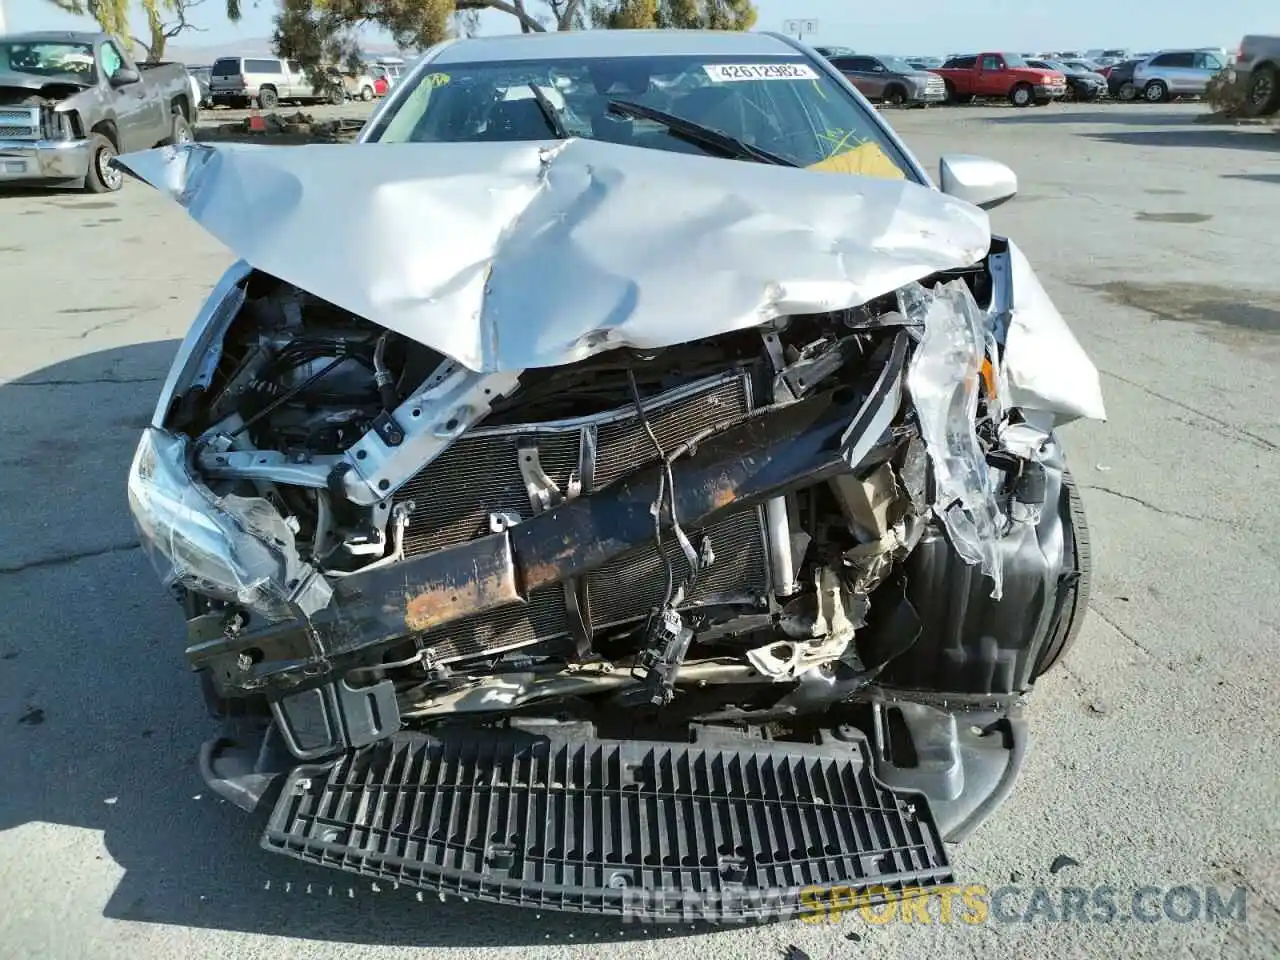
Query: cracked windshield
(779, 110)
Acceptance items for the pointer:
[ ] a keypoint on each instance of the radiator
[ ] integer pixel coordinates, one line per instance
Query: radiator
(479, 476)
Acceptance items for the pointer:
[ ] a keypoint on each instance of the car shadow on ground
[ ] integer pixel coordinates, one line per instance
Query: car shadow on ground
(101, 722)
(1235, 138)
(1259, 177)
(37, 190)
(1129, 115)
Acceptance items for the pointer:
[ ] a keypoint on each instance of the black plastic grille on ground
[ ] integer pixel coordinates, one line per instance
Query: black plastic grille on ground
(644, 829)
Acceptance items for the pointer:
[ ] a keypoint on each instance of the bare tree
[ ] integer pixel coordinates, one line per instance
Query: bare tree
(166, 19)
(326, 31)
(164, 30)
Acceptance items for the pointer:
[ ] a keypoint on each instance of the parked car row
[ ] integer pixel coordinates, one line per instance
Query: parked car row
(267, 81)
(1025, 80)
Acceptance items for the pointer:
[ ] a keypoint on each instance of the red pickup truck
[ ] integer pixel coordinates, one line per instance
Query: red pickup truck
(1004, 75)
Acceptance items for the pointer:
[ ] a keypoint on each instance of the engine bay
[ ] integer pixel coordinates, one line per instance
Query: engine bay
(732, 605)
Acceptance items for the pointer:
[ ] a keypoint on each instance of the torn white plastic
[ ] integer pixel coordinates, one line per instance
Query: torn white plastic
(506, 256)
(819, 635)
(1046, 367)
(234, 548)
(943, 380)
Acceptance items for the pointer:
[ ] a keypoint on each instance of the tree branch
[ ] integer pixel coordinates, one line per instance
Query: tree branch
(526, 20)
(570, 13)
(524, 27)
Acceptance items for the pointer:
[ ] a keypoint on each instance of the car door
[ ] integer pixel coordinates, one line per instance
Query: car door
(858, 72)
(1179, 70)
(128, 100)
(991, 80)
(1207, 65)
(296, 79)
(879, 76)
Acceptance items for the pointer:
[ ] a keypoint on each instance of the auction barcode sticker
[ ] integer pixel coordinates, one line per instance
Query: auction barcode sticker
(731, 72)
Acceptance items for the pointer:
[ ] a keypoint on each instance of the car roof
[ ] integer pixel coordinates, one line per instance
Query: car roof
(556, 45)
(52, 36)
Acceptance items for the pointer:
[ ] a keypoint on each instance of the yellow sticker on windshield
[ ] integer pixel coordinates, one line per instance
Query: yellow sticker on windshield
(436, 79)
(864, 160)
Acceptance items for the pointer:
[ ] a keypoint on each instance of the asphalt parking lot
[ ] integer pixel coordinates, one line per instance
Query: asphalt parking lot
(1156, 759)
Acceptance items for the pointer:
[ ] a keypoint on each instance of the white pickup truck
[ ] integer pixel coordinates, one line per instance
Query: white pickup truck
(71, 102)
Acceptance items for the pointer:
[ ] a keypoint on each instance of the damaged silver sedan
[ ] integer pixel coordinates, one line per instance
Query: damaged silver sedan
(660, 510)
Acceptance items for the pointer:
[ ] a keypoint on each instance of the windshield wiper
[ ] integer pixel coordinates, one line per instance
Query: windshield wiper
(692, 132)
(549, 111)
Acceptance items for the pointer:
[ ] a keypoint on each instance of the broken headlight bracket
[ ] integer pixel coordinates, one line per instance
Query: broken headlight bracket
(399, 444)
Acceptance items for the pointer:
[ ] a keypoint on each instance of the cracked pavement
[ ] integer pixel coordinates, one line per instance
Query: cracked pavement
(1155, 750)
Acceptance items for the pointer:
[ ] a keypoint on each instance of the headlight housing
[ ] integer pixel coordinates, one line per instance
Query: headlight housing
(233, 548)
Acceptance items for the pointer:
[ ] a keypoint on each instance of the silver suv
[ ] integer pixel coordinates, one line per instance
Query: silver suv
(265, 81)
(1172, 73)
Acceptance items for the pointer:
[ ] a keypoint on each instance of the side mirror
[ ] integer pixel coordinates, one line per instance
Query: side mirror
(982, 182)
(124, 76)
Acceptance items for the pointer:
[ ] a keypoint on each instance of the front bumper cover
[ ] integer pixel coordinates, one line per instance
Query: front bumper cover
(43, 160)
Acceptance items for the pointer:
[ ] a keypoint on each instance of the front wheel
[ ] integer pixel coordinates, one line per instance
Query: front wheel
(1021, 95)
(1263, 98)
(366, 94)
(180, 132)
(895, 96)
(1077, 581)
(1155, 92)
(102, 177)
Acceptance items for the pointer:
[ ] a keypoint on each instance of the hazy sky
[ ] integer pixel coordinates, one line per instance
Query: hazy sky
(915, 26)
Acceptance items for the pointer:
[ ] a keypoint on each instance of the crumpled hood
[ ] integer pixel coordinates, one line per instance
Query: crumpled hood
(506, 256)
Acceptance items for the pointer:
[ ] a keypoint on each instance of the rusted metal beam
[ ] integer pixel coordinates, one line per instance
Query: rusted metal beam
(765, 455)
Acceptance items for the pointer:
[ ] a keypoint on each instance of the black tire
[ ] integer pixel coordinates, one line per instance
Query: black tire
(338, 97)
(1128, 92)
(1263, 98)
(953, 97)
(101, 177)
(1021, 95)
(895, 96)
(1157, 91)
(366, 93)
(268, 99)
(180, 132)
(1078, 585)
